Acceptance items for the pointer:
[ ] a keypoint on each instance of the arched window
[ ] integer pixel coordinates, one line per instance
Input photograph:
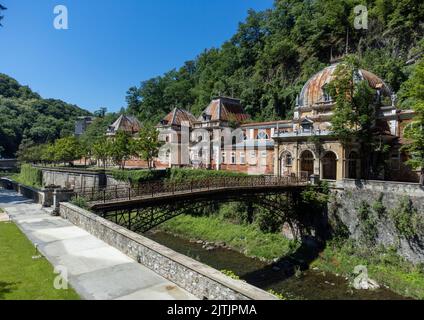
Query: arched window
(353, 162)
(329, 166)
(288, 160)
(307, 163)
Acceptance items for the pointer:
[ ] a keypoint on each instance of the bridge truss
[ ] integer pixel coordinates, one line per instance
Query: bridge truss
(143, 207)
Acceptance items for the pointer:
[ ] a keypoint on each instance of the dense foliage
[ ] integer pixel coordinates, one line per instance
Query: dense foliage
(274, 52)
(26, 119)
(413, 94)
(29, 176)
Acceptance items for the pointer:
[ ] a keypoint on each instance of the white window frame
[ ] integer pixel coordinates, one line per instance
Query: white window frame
(233, 158)
(242, 158)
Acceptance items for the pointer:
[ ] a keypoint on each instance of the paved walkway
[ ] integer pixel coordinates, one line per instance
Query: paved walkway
(95, 269)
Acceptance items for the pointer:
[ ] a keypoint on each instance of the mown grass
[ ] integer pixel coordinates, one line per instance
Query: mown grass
(247, 239)
(384, 266)
(21, 277)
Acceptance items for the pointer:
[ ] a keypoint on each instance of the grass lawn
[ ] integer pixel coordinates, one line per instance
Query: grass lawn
(247, 239)
(21, 277)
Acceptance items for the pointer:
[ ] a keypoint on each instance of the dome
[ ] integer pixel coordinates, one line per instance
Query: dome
(313, 91)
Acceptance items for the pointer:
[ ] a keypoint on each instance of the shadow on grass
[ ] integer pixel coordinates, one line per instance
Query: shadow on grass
(286, 266)
(7, 287)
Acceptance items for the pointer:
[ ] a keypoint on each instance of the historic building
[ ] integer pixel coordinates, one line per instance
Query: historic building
(311, 148)
(224, 138)
(124, 123)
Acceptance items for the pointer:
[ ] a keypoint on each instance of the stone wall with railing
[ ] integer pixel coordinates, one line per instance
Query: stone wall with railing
(199, 279)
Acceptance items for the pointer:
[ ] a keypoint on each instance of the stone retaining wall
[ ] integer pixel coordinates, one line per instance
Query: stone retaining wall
(73, 178)
(43, 197)
(195, 277)
(348, 196)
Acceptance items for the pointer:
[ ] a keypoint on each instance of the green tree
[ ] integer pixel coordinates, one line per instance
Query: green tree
(48, 155)
(67, 150)
(101, 150)
(413, 95)
(2, 8)
(121, 148)
(355, 112)
(147, 145)
(27, 119)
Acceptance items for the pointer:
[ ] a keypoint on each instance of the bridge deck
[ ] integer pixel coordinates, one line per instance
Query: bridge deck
(166, 197)
(157, 192)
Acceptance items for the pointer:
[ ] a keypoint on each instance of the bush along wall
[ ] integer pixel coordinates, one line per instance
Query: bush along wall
(376, 219)
(29, 176)
(169, 175)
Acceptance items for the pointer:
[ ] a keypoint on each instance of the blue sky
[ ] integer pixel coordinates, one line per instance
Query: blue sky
(111, 45)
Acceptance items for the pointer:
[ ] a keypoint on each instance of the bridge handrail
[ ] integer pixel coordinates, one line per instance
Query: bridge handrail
(156, 188)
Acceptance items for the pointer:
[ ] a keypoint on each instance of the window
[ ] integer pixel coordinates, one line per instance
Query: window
(233, 158)
(262, 135)
(395, 161)
(252, 157)
(224, 160)
(242, 158)
(263, 158)
(289, 160)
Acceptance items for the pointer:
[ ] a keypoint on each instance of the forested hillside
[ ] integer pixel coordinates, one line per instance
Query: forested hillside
(274, 52)
(26, 118)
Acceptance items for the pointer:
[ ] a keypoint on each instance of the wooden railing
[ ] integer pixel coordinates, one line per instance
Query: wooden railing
(162, 188)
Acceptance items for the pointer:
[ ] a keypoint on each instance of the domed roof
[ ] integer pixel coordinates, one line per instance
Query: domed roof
(313, 93)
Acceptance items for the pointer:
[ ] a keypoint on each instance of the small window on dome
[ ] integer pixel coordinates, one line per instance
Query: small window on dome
(325, 94)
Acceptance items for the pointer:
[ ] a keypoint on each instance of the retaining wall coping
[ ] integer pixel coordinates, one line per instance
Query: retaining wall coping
(72, 170)
(236, 285)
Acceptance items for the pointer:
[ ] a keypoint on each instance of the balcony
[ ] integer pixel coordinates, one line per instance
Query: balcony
(302, 133)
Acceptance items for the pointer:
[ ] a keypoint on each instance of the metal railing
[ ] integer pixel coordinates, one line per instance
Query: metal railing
(164, 188)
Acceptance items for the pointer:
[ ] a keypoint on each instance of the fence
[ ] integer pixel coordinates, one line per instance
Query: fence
(157, 188)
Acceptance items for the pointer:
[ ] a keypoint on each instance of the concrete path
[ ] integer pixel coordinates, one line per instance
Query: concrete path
(96, 270)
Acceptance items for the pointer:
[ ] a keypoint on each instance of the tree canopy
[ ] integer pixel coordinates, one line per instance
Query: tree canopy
(276, 51)
(27, 119)
(2, 8)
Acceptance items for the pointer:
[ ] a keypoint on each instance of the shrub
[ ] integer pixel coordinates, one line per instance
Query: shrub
(277, 294)
(367, 224)
(79, 202)
(138, 176)
(29, 176)
(230, 274)
(378, 207)
(179, 175)
(406, 219)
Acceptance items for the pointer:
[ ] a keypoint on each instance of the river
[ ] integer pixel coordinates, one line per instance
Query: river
(308, 284)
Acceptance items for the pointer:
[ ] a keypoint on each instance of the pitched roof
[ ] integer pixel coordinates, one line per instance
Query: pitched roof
(125, 123)
(225, 109)
(177, 116)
